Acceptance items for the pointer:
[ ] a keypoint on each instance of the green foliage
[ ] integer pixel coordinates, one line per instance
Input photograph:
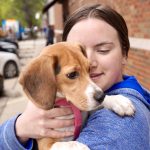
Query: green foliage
(22, 10)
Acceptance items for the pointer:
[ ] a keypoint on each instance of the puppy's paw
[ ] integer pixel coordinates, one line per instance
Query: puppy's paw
(119, 104)
(72, 145)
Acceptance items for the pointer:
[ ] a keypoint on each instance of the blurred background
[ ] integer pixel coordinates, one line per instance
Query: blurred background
(26, 26)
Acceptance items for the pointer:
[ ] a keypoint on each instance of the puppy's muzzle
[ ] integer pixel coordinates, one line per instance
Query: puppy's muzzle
(99, 96)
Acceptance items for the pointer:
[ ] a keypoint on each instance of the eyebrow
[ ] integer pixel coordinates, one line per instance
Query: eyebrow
(104, 43)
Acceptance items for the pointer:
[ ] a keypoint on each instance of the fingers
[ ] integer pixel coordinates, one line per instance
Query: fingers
(50, 123)
(55, 134)
(52, 128)
(56, 123)
(52, 113)
(57, 112)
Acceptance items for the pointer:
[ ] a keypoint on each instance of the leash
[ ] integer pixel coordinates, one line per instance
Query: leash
(77, 115)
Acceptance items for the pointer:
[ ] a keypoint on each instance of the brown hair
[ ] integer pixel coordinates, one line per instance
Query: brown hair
(105, 13)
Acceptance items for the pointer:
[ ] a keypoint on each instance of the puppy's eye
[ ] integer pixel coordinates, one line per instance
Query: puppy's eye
(73, 75)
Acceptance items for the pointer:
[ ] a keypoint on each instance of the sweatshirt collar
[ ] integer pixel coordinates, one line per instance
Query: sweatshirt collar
(132, 83)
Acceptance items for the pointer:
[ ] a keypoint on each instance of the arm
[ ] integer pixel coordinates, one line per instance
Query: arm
(33, 123)
(107, 131)
(8, 136)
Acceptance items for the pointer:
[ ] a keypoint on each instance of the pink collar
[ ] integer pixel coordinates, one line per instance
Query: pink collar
(77, 115)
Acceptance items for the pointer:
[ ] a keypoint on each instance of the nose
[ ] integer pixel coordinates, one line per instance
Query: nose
(99, 96)
(93, 64)
(91, 57)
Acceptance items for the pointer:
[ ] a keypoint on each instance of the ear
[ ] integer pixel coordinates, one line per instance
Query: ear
(38, 81)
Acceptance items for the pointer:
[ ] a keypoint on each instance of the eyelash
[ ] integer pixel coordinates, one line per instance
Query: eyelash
(103, 51)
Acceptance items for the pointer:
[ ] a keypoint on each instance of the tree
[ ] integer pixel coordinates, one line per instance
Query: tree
(22, 10)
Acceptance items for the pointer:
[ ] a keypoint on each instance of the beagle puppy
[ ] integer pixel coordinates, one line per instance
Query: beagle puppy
(63, 69)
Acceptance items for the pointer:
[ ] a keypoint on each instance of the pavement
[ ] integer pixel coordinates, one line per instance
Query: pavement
(15, 101)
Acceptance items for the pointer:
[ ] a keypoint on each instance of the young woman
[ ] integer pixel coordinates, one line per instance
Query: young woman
(104, 34)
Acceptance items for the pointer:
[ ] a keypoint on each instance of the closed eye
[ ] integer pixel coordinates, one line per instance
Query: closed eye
(103, 51)
(73, 75)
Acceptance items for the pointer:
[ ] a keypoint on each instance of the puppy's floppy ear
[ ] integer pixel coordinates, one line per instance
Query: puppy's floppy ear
(38, 81)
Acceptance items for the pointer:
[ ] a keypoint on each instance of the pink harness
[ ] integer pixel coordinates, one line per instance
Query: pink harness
(76, 112)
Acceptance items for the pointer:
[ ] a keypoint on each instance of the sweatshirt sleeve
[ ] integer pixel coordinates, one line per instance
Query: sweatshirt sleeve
(106, 130)
(8, 139)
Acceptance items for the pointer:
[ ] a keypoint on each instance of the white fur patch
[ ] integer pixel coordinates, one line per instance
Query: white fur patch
(119, 104)
(90, 91)
(72, 145)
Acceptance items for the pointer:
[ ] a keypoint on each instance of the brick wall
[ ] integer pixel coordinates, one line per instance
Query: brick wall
(137, 15)
(139, 65)
(135, 12)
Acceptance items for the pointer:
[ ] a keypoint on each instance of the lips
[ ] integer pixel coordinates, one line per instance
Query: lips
(95, 75)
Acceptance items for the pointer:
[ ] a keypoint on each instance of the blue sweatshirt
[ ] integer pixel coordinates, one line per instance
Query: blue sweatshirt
(8, 139)
(104, 130)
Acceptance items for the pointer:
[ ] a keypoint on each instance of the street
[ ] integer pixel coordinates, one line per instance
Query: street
(16, 101)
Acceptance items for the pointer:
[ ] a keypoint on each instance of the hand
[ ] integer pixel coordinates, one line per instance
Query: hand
(38, 123)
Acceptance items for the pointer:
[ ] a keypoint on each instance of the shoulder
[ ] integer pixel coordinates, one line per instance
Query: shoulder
(106, 128)
(108, 120)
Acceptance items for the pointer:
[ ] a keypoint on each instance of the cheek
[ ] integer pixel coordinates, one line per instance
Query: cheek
(111, 66)
(112, 62)
(114, 70)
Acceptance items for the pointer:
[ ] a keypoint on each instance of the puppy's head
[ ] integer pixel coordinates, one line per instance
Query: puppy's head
(62, 68)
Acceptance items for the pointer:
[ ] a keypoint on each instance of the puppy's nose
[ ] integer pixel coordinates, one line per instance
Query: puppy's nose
(99, 96)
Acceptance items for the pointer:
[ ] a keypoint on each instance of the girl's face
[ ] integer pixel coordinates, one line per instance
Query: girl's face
(103, 50)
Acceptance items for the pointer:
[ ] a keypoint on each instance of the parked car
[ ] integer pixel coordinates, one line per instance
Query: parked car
(9, 46)
(4, 39)
(1, 85)
(9, 65)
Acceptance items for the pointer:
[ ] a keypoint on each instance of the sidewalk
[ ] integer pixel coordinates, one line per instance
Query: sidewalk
(15, 103)
(13, 107)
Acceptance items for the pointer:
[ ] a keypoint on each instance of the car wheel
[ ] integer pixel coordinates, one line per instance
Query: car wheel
(1, 85)
(10, 69)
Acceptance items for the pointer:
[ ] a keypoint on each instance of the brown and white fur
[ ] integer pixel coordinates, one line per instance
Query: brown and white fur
(63, 68)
